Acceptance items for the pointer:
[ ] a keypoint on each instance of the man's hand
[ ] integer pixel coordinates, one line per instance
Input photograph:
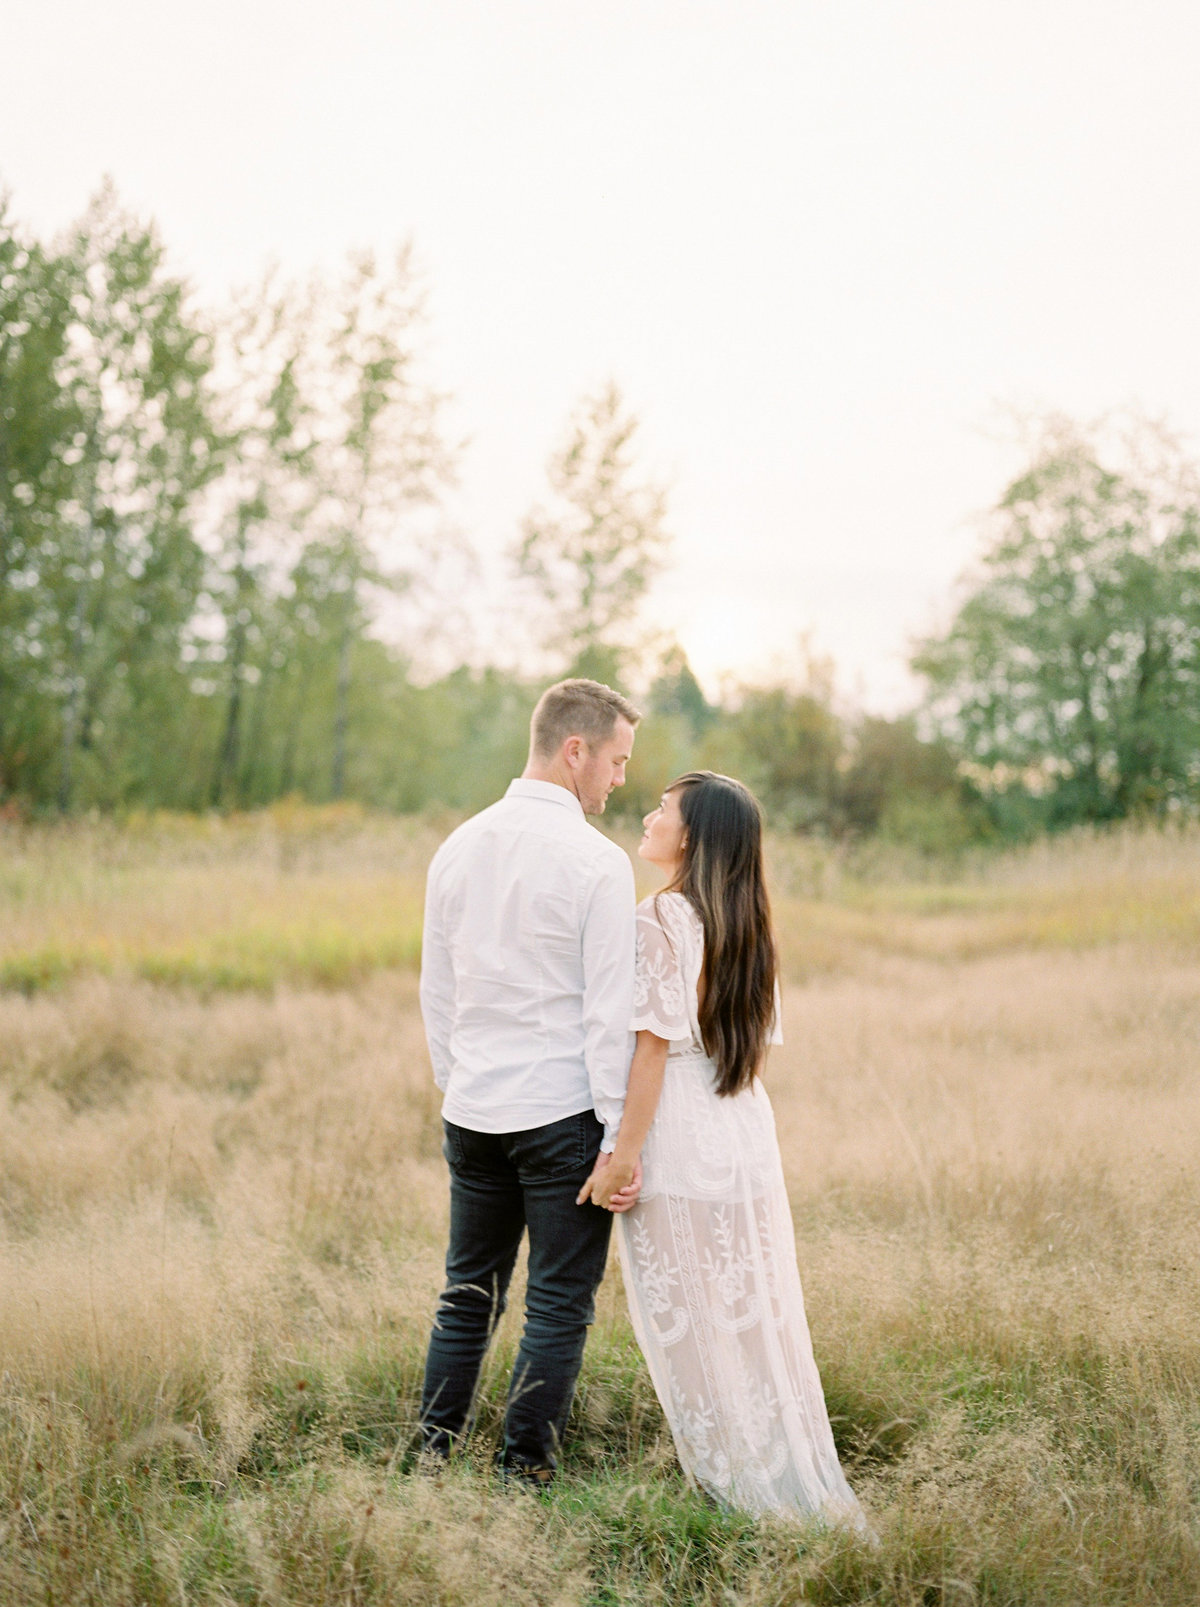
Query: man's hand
(614, 1185)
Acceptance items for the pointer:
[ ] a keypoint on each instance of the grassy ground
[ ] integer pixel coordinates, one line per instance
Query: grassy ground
(289, 895)
(222, 1208)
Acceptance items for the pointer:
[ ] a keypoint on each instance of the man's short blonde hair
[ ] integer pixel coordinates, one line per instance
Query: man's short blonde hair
(577, 708)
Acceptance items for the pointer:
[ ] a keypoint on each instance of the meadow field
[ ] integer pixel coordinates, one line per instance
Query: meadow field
(222, 1207)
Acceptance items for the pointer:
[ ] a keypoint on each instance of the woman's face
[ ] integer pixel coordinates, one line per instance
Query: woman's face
(665, 835)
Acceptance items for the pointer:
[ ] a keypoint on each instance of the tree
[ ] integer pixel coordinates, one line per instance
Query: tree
(264, 495)
(790, 742)
(37, 416)
(378, 455)
(675, 692)
(1072, 667)
(592, 554)
(200, 518)
(785, 740)
(909, 789)
(335, 444)
(119, 427)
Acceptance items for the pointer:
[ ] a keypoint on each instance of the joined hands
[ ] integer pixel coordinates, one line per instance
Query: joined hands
(614, 1184)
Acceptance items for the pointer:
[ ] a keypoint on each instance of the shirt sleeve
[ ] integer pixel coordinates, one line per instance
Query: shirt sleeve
(608, 958)
(437, 984)
(777, 1019)
(660, 997)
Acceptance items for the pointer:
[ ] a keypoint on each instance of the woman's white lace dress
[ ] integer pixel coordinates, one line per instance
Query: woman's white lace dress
(709, 1260)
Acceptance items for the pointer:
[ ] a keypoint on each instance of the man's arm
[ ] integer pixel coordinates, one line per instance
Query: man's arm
(609, 946)
(437, 984)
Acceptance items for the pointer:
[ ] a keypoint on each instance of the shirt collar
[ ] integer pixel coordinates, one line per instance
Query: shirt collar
(546, 791)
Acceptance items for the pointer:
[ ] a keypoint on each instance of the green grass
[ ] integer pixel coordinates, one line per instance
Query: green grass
(309, 896)
(327, 1503)
(305, 897)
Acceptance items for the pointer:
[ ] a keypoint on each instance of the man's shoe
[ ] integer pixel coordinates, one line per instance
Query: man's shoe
(526, 1476)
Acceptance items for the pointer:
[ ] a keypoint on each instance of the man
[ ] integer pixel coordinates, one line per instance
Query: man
(527, 992)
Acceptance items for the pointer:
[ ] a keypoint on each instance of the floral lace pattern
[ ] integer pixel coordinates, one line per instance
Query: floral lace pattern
(665, 935)
(709, 1262)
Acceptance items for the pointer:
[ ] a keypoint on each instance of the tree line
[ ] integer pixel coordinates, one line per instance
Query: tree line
(224, 540)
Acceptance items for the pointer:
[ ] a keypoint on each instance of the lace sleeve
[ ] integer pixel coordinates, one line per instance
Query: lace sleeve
(660, 1002)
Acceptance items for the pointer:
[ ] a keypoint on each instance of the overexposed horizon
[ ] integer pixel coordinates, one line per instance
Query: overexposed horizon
(821, 248)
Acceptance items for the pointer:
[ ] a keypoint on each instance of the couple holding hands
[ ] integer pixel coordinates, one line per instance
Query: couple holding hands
(536, 970)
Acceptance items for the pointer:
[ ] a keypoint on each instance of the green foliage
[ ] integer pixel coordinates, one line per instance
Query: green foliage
(787, 745)
(1072, 669)
(103, 365)
(206, 515)
(675, 692)
(199, 518)
(334, 444)
(907, 789)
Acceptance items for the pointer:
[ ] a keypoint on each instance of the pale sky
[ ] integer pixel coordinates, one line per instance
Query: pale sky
(820, 244)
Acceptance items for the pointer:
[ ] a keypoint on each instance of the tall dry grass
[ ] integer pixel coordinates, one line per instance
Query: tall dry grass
(221, 1223)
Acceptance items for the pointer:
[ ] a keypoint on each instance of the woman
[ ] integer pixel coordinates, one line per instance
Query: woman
(708, 1252)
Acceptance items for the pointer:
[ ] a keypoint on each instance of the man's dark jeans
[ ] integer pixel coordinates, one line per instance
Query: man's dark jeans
(501, 1184)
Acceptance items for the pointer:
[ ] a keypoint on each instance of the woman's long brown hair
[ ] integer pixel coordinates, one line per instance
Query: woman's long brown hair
(722, 878)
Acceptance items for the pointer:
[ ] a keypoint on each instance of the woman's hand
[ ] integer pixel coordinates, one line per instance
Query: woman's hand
(616, 1179)
(614, 1183)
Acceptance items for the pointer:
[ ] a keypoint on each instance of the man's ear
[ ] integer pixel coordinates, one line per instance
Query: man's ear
(572, 750)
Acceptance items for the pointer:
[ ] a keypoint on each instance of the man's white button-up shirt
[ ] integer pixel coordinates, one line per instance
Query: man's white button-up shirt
(527, 966)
